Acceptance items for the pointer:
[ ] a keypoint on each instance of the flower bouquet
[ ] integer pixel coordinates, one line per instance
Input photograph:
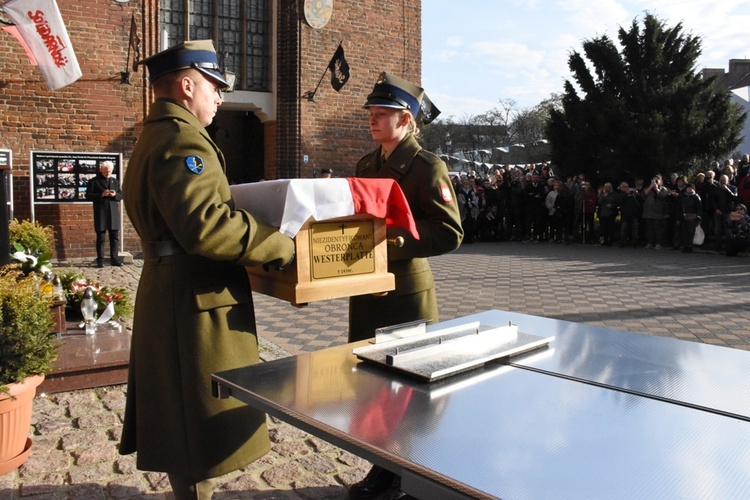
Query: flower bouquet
(75, 285)
(30, 262)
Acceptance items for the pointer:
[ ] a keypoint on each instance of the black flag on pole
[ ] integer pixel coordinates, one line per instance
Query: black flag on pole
(427, 110)
(339, 69)
(135, 42)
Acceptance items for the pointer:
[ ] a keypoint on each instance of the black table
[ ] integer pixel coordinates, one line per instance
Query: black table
(600, 413)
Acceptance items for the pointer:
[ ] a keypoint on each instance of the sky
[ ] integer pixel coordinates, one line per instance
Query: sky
(476, 53)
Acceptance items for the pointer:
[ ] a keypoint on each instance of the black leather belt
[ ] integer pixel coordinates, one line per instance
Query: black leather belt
(156, 249)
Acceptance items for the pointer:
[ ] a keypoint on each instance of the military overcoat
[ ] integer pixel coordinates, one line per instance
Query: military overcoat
(106, 210)
(193, 313)
(423, 177)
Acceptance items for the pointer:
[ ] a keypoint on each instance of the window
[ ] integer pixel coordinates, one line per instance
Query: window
(240, 29)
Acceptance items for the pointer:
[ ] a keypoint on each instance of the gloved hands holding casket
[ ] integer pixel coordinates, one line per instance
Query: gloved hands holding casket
(278, 264)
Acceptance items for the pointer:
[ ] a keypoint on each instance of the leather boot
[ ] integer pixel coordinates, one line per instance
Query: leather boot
(395, 493)
(376, 482)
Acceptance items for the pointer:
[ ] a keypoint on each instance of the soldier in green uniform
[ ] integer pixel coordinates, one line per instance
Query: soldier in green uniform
(194, 312)
(395, 108)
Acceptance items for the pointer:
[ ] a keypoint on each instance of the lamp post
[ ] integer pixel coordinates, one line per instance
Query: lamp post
(448, 147)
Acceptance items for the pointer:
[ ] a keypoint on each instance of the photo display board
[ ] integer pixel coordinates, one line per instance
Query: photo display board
(61, 177)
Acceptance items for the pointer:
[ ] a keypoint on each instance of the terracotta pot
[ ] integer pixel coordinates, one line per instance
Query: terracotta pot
(15, 422)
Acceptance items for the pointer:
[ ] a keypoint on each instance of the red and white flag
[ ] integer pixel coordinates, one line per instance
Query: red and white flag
(41, 26)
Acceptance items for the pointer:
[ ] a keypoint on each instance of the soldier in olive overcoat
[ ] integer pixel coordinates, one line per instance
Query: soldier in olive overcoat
(395, 106)
(194, 312)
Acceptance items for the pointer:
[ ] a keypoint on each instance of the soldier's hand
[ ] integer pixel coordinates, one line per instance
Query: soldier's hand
(277, 264)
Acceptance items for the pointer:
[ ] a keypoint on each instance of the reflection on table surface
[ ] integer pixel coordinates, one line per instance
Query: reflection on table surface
(692, 373)
(566, 422)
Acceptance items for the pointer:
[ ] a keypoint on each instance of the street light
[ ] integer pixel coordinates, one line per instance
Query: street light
(448, 148)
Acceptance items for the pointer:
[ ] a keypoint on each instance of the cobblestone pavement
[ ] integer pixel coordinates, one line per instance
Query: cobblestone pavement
(700, 297)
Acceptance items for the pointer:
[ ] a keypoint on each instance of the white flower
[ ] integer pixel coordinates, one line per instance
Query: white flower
(24, 257)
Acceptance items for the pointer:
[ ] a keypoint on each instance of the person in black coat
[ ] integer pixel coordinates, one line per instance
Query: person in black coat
(104, 191)
(690, 214)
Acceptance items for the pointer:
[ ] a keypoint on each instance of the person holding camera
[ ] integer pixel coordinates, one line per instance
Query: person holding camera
(690, 216)
(105, 193)
(654, 205)
(629, 204)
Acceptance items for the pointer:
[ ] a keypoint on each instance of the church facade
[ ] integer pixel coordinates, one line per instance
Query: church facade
(285, 118)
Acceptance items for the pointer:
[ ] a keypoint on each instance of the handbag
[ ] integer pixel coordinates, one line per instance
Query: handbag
(699, 236)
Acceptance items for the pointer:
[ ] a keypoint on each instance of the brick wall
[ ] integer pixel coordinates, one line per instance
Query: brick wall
(100, 114)
(95, 114)
(377, 36)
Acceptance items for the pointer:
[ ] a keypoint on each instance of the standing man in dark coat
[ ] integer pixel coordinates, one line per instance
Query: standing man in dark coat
(395, 106)
(104, 191)
(194, 312)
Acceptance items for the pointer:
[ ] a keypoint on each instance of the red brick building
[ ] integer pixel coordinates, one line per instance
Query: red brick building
(266, 128)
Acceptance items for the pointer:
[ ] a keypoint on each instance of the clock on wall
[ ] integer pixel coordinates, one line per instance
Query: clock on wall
(318, 12)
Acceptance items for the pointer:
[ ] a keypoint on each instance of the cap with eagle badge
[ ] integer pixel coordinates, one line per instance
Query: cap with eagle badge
(394, 92)
(196, 54)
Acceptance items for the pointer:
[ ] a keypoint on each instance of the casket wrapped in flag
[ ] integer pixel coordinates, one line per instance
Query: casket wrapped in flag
(339, 228)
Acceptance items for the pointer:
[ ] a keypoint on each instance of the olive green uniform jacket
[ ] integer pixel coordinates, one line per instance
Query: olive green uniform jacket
(423, 177)
(193, 313)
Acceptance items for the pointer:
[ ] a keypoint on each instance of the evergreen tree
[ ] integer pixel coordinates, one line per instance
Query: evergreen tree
(643, 110)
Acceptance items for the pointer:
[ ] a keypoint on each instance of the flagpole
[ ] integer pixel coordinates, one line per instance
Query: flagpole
(310, 95)
(125, 74)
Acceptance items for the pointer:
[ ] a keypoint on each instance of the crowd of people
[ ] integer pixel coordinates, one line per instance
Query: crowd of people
(530, 203)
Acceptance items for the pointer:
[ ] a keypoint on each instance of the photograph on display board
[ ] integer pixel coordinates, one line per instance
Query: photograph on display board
(66, 186)
(61, 177)
(44, 166)
(45, 186)
(83, 181)
(89, 166)
(66, 165)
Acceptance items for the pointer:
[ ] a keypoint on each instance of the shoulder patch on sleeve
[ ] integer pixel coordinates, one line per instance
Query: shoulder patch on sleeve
(195, 164)
(446, 194)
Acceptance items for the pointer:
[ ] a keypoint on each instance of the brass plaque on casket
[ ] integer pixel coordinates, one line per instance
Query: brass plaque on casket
(335, 258)
(345, 248)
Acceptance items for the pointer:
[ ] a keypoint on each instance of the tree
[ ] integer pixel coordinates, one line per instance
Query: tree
(529, 125)
(643, 110)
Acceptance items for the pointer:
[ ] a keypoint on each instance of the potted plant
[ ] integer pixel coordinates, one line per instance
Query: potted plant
(27, 352)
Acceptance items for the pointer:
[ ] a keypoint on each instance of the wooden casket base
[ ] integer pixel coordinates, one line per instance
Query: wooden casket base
(335, 258)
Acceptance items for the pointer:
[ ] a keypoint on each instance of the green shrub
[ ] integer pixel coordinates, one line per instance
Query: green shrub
(26, 345)
(34, 237)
